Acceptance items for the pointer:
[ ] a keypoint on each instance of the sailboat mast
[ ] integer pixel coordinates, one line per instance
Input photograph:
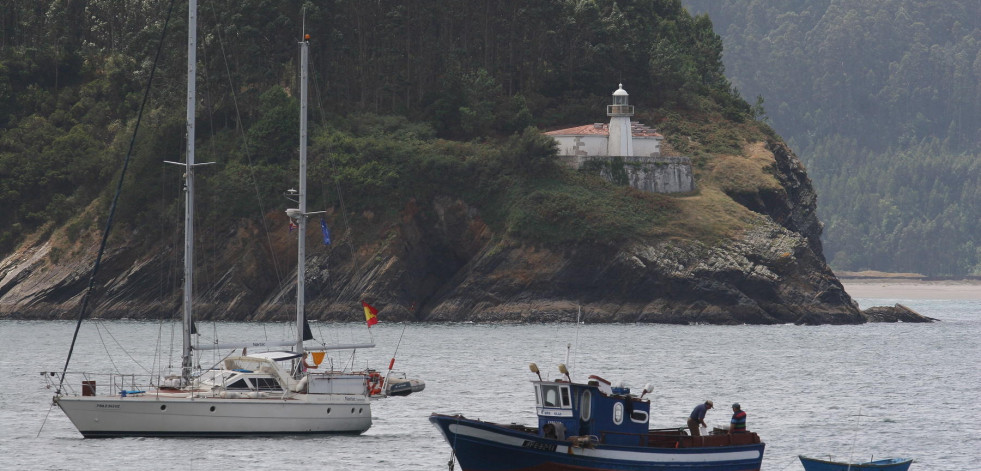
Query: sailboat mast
(301, 265)
(192, 25)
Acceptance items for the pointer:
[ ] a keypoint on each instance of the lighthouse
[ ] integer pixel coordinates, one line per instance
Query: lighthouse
(620, 142)
(620, 138)
(625, 152)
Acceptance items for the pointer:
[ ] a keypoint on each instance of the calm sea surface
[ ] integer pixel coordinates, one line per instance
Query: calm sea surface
(843, 391)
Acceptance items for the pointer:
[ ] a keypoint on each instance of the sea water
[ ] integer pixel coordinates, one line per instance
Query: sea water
(848, 392)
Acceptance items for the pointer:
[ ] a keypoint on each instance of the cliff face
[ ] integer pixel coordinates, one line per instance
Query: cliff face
(768, 275)
(440, 262)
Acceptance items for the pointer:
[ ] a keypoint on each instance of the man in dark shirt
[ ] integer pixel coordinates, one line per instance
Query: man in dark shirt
(738, 422)
(697, 417)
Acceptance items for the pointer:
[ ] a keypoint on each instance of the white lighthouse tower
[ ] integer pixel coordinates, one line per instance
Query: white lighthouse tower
(621, 142)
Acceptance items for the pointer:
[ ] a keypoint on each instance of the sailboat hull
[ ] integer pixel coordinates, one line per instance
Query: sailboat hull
(163, 415)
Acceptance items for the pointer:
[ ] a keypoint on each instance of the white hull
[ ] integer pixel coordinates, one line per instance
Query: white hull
(178, 414)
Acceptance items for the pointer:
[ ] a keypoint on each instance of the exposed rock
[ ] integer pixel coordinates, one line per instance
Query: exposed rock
(897, 313)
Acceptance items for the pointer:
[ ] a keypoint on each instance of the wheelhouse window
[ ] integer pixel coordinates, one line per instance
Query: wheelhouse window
(550, 396)
(554, 395)
(638, 416)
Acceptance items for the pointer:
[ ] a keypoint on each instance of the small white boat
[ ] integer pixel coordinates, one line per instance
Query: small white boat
(397, 384)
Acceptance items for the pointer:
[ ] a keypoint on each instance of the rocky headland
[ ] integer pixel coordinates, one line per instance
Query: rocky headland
(438, 261)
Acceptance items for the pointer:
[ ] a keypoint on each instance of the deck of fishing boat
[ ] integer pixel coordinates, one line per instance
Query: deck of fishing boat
(679, 438)
(665, 438)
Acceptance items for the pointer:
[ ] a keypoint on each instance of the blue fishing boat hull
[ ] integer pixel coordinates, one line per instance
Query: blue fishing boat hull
(485, 446)
(891, 464)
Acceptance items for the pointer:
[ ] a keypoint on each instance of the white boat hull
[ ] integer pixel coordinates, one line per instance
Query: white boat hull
(178, 414)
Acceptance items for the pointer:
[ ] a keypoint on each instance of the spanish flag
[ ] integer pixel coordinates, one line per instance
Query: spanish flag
(370, 314)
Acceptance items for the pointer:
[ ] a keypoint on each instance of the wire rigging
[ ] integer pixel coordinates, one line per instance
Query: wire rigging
(332, 164)
(115, 201)
(245, 148)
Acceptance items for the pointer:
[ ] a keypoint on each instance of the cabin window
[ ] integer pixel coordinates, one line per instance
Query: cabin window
(554, 395)
(638, 416)
(585, 405)
(240, 385)
(538, 395)
(550, 396)
(267, 384)
(566, 400)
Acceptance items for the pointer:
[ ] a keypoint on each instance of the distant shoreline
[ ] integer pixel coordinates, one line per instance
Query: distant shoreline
(911, 287)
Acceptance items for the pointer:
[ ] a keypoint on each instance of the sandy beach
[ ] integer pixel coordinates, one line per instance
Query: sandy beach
(912, 289)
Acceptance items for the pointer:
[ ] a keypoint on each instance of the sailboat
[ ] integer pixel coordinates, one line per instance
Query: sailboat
(265, 393)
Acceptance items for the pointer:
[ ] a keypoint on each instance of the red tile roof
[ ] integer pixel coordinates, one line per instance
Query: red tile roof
(603, 129)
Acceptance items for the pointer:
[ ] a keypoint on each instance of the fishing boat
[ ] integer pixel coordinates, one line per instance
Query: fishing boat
(889, 464)
(264, 393)
(592, 426)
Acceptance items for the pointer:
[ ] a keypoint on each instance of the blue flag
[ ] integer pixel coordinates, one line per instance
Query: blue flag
(323, 228)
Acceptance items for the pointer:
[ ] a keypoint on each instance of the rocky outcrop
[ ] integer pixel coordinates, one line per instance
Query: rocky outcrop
(896, 313)
(793, 204)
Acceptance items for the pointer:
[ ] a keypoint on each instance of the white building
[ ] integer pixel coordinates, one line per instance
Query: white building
(619, 138)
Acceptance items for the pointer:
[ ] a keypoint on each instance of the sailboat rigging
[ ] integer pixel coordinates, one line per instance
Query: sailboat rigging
(261, 393)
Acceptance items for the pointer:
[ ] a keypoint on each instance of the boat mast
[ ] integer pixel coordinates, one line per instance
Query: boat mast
(301, 245)
(189, 165)
(192, 25)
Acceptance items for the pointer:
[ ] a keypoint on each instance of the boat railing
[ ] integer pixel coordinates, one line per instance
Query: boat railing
(678, 438)
(623, 438)
(743, 438)
(89, 384)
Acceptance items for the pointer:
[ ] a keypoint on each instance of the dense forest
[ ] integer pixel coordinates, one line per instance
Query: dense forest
(882, 101)
(410, 98)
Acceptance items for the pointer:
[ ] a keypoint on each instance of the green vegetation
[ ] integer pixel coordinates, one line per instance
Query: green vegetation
(881, 101)
(410, 101)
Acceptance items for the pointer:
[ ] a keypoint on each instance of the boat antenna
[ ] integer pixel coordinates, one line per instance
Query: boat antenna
(578, 323)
